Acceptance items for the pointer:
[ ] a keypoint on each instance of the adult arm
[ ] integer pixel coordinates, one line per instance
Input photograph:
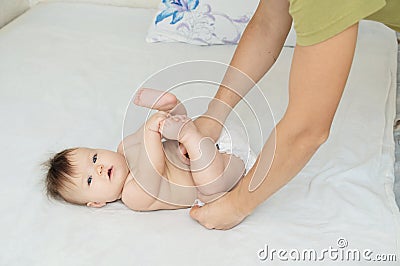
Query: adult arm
(258, 49)
(317, 78)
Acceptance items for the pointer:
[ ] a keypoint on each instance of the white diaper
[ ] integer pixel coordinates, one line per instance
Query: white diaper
(198, 202)
(233, 140)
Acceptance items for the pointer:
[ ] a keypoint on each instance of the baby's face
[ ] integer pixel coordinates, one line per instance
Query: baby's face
(100, 175)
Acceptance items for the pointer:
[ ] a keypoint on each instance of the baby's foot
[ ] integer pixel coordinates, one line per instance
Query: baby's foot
(155, 99)
(176, 127)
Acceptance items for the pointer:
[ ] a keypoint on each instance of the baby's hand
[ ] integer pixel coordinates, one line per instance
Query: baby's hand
(154, 122)
(171, 128)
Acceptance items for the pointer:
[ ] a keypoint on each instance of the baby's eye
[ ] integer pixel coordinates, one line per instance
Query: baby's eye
(89, 180)
(95, 158)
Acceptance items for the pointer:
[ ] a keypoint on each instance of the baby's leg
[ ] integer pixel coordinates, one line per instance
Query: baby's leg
(159, 100)
(233, 171)
(163, 101)
(212, 172)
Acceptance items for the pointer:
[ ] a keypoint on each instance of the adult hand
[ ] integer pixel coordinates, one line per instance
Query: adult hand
(222, 214)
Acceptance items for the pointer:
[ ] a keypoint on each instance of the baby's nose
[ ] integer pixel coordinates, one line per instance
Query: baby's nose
(100, 169)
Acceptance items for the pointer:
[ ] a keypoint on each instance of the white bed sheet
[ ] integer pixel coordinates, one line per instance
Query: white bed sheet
(67, 72)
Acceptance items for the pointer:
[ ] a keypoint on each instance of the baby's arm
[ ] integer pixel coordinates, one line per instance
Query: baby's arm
(149, 162)
(153, 149)
(142, 193)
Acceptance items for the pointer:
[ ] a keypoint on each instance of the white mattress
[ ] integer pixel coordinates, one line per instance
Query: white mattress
(67, 72)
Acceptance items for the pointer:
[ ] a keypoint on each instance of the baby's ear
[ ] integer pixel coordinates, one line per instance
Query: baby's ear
(96, 204)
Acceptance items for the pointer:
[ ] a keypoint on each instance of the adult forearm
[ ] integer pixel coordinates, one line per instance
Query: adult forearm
(286, 152)
(258, 49)
(317, 79)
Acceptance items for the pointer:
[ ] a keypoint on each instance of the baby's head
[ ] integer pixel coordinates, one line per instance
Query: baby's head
(86, 176)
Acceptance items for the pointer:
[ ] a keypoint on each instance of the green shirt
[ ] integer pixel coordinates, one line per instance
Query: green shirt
(318, 20)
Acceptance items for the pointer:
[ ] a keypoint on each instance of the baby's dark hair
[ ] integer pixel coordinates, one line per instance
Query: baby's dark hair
(59, 171)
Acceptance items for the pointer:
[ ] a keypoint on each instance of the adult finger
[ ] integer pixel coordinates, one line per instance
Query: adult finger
(194, 212)
(198, 214)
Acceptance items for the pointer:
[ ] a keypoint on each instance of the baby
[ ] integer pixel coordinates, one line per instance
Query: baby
(168, 174)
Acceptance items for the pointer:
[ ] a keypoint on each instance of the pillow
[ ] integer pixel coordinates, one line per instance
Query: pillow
(201, 22)
(126, 3)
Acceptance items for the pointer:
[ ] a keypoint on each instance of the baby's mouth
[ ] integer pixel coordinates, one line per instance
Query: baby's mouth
(109, 172)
